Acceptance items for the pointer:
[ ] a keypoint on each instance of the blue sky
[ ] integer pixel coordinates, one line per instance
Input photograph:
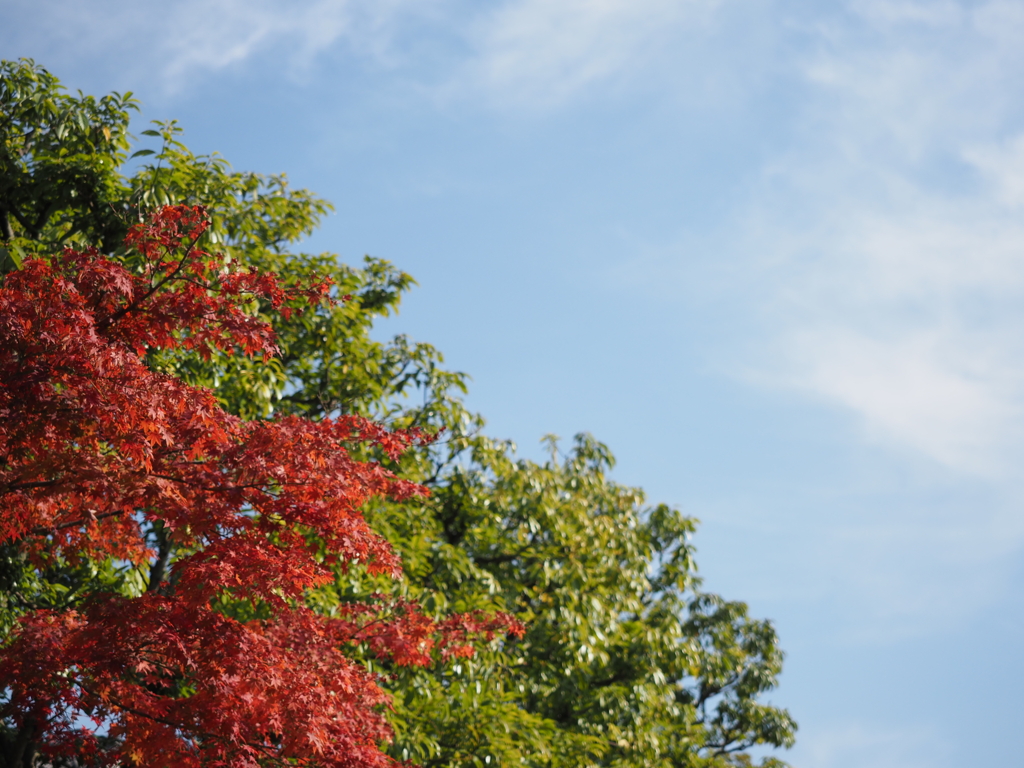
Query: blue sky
(772, 252)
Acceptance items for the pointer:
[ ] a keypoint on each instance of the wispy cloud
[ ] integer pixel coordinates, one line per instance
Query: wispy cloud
(535, 53)
(891, 238)
(177, 42)
(541, 52)
(233, 31)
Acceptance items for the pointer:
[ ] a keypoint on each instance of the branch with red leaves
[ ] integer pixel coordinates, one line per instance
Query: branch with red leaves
(95, 447)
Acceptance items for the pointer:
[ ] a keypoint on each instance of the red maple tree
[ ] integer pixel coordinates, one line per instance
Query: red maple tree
(97, 448)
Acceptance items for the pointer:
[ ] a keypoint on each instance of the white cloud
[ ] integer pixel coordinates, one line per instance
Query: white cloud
(234, 31)
(890, 240)
(536, 52)
(1002, 164)
(928, 389)
(242, 29)
(179, 40)
(890, 13)
(543, 51)
(911, 317)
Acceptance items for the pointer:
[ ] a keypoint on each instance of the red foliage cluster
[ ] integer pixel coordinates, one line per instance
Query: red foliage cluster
(95, 446)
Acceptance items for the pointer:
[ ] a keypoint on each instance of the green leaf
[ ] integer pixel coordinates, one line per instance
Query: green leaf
(14, 253)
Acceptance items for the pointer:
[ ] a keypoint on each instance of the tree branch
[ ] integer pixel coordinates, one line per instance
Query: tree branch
(5, 224)
(159, 566)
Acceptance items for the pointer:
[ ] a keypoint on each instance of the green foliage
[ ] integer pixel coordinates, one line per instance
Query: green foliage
(59, 161)
(626, 661)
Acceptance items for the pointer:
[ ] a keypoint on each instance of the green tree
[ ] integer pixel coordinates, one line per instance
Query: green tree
(626, 661)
